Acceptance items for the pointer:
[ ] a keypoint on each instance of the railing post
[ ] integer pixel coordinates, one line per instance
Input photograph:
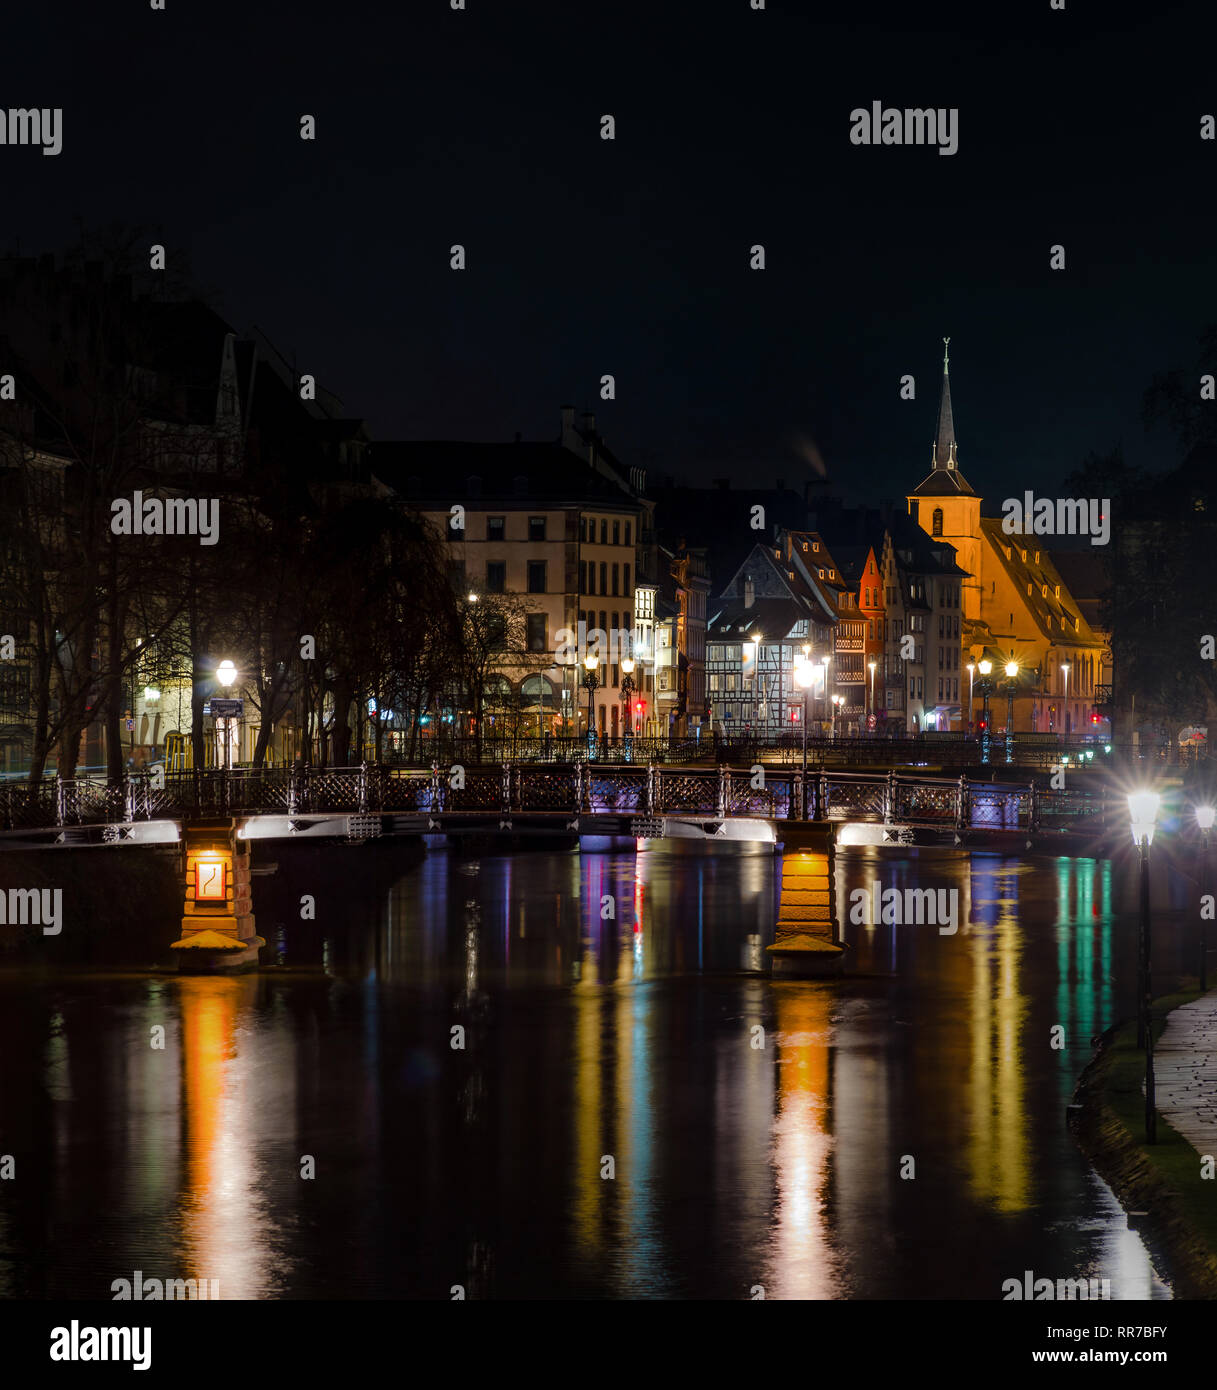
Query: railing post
(436, 792)
(1033, 809)
(506, 789)
(961, 797)
(657, 793)
(889, 799)
(650, 790)
(61, 799)
(363, 787)
(797, 810)
(822, 796)
(724, 791)
(130, 798)
(578, 788)
(293, 792)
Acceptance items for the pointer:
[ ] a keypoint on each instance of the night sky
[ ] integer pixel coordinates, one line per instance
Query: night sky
(631, 257)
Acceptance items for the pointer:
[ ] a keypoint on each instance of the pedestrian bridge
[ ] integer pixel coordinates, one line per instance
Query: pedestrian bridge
(572, 799)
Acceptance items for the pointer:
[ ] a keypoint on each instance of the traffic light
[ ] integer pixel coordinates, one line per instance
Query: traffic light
(1094, 716)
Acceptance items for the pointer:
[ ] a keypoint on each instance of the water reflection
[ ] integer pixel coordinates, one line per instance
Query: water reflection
(557, 1073)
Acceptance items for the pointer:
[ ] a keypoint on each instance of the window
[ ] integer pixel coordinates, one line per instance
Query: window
(496, 576)
(936, 521)
(496, 528)
(627, 533)
(583, 528)
(604, 576)
(536, 576)
(456, 575)
(815, 545)
(536, 528)
(585, 578)
(616, 578)
(616, 533)
(625, 585)
(536, 632)
(603, 531)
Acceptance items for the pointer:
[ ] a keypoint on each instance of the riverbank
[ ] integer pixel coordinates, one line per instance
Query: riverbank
(1172, 1207)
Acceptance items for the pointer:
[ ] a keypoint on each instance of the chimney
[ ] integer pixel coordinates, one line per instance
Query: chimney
(749, 592)
(589, 422)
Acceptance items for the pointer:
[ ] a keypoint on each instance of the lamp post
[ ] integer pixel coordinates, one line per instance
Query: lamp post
(590, 684)
(804, 675)
(1204, 819)
(627, 690)
(986, 688)
(871, 710)
(757, 689)
(1142, 813)
(226, 674)
(824, 663)
(837, 702)
(971, 669)
(1065, 699)
(1011, 679)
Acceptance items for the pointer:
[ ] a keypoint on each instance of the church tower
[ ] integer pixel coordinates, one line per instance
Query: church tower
(944, 505)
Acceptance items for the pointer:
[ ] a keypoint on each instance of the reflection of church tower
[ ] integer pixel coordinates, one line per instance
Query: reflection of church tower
(945, 506)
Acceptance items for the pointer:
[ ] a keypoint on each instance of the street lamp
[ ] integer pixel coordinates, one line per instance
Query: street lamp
(1142, 813)
(971, 669)
(1204, 819)
(756, 685)
(871, 711)
(838, 701)
(1065, 701)
(804, 675)
(590, 684)
(627, 690)
(226, 674)
(986, 689)
(1011, 677)
(824, 663)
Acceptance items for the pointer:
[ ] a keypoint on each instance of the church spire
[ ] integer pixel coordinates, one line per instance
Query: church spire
(944, 444)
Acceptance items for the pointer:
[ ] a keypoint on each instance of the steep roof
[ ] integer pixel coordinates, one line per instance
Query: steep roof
(945, 480)
(1058, 617)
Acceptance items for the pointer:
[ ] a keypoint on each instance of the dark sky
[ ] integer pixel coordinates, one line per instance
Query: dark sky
(482, 127)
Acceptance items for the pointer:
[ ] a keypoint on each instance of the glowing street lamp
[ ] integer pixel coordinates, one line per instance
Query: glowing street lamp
(226, 674)
(971, 669)
(756, 684)
(872, 665)
(1142, 813)
(1011, 677)
(804, 676)
(1065, 700)
(986, 689)
(590, 684)
(627, 690)
(1204, 819)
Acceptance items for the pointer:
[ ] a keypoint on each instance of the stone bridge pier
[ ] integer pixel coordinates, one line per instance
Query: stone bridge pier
(218, 913)
(807, 939)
